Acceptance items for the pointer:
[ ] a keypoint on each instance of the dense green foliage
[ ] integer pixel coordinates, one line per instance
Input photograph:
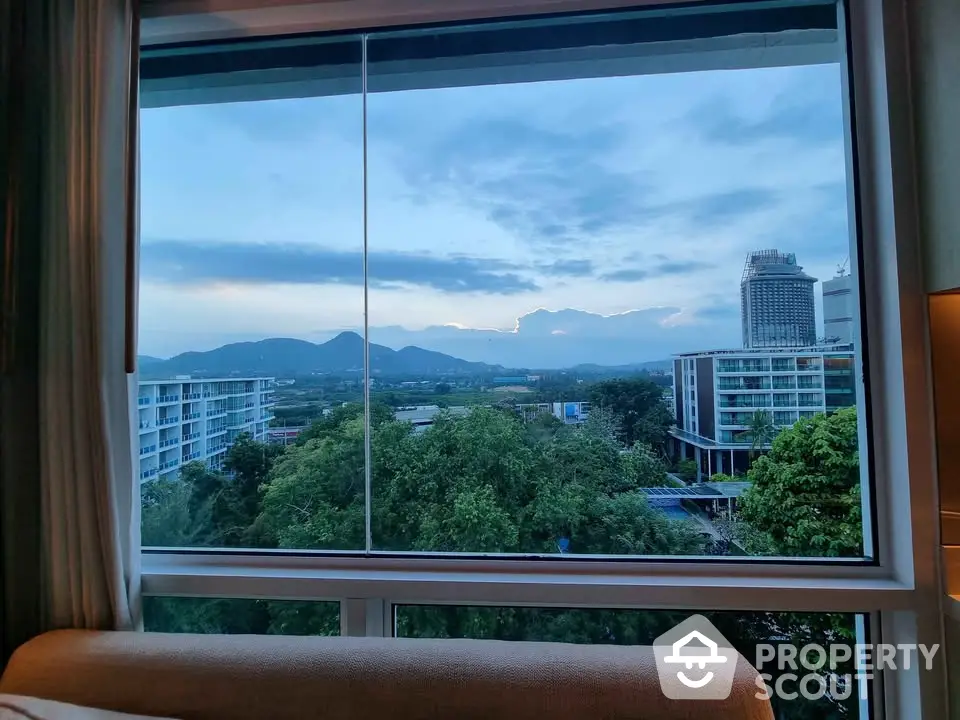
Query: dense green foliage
(636, 402)
(805, 497)
(489, 482)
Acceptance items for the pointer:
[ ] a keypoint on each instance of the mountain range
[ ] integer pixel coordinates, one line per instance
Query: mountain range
(287, 356)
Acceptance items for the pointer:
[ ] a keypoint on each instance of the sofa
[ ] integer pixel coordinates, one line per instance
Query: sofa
(245, 677)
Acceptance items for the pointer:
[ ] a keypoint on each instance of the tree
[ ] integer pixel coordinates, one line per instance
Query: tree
(484, 482)
(638, 403)
(442, 388)
(761, 430)
(687, 469)
(170, 518)
(805, 496)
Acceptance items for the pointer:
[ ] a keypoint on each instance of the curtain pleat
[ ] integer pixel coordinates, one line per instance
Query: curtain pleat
(90, 515)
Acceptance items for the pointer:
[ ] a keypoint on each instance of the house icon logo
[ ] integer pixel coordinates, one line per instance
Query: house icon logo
(695, 662)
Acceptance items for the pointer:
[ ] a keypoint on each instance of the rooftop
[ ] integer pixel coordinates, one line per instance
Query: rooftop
(811, 350)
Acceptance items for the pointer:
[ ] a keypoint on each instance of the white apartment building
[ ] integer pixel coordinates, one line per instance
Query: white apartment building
(184, 420)
(717, 392)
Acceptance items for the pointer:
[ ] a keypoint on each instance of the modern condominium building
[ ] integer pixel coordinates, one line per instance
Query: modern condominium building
(718, 392)
(776, 302)
(185, 420)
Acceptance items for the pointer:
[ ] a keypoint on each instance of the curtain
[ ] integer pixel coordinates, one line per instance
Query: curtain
(87, 205)
(19, 441)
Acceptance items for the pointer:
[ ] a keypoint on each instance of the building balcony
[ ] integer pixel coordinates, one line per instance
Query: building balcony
(810, 403)
(191, 456)
(148, 473)
(191, 416)
(216, 431)
(146, 425)
(167, 399)
(141, 401)
(759, 403)
(169, 443)
(737, 387)
(216, 449)
(190, 437)
(168, 421)
(169, 465)
(216, 413)
(191, 396)
(148, 449)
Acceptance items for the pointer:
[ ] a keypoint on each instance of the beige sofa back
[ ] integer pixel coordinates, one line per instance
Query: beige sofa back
(245, 677)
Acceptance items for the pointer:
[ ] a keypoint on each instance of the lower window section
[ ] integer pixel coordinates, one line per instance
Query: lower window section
(240, 616)
(765, 639)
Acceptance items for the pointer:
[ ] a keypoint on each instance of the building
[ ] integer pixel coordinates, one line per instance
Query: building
(776, 302)
(717, 393)
(570, 413)
(284, 435)
(838, 309)
(422, 416)
(184, 420)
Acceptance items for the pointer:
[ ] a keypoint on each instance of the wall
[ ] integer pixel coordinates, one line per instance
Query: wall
(935, 56)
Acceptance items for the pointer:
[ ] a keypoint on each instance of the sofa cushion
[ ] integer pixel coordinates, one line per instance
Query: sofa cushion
(19, 707)
(246, 677)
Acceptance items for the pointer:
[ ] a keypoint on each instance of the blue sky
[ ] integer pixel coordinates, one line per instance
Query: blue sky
(494, 211)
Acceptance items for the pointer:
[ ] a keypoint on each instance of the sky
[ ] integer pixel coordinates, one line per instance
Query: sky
(530, 224)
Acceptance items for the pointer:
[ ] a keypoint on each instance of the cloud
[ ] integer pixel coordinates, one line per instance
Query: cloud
(655, 270)
(563, 338)
(719, 311)
(546, 186)
(572, 268)
(198, 263)
(725, 207)
(808, 111)
(631, 275)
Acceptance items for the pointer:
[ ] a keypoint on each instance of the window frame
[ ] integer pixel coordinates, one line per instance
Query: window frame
(901, 591)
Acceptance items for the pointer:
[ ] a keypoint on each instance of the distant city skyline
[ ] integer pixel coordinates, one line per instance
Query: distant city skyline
(624, 206)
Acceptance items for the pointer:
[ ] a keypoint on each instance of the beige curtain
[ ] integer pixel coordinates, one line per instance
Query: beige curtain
(90, 499)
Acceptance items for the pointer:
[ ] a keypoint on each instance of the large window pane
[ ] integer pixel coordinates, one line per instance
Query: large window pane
(584, 220)
(757, 636)
(604, 261)
(252, 254)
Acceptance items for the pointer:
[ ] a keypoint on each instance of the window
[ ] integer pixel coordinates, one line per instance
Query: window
(746, 630)
(461, 190)
(239, 616)
(487, 241)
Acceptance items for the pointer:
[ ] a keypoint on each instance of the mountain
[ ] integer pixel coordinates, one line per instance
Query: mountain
(287, 356)
(145, 360)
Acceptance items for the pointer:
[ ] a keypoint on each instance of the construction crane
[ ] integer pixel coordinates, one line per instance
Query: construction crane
(842, 269)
